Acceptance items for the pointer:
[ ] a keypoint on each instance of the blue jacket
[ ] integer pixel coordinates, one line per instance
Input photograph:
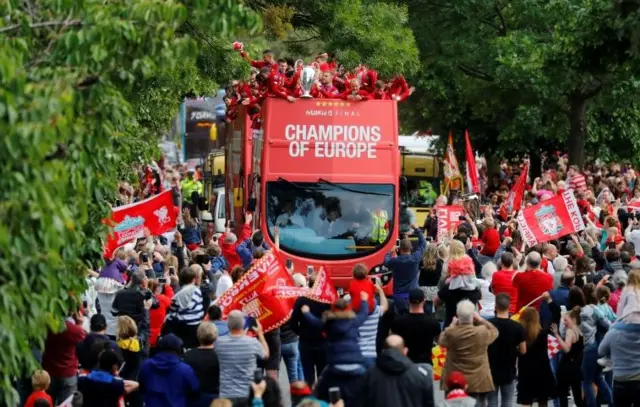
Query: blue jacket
(406, 268)
(166, 381)
(191, 235)
(560, 296)
(245, 251)
(342, 328)
(218, 263)
(622, 344)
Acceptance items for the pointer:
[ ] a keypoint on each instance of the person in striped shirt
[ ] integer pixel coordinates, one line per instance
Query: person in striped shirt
(187, 310)
(576, 180)
(369, 329)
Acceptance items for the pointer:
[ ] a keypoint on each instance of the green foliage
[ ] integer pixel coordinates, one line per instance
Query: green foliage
(522, 76)
(85, 90)
(374, 33)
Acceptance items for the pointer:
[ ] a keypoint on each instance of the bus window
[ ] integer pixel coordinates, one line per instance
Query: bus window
(421, 192)
(330, 221)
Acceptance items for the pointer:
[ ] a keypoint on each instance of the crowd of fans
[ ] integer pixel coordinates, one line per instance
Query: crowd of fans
(150, 334)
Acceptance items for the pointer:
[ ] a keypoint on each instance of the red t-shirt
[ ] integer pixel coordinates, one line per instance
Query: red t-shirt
(491, 240)
(358, 286)
(501, 282)
(59, 358)
(37, 395)
(530, 285)
(158, 315)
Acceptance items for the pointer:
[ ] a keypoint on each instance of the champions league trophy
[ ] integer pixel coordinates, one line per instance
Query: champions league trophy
(307, 79)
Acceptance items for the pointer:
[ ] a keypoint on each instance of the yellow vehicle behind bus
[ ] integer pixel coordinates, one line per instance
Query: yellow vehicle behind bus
(420, 167)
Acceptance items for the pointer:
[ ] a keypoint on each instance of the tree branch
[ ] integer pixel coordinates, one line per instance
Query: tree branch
(503, 23)
(66, 23)
(315, 37)
(475, 73)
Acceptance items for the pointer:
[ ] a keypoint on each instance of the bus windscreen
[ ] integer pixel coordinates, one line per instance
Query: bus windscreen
(332, 221)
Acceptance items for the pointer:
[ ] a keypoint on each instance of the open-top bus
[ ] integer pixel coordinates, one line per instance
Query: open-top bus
(326, 173)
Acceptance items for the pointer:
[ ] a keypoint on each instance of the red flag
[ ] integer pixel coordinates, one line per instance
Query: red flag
(472, 172)
(155, 215)
(323, 289)
(450, 167)
(266, 292)
(551, 219)
(514, 200)
(448, 216)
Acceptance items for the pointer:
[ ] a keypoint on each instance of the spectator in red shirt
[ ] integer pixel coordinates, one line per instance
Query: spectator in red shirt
(490, 238)
(40, 382)
(229, 243)
(532, 283)
(502, 282)
(164, 295)
(359, 284)
(60, 359)
(576, 180)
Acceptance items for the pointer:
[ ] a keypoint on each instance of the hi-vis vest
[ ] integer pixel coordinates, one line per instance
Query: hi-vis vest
(380, 226)
(426, 191)
(189, 187)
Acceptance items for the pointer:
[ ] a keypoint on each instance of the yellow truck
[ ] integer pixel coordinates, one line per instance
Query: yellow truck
(420, 168)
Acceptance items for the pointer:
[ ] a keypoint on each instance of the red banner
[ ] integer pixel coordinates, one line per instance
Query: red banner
(266, 292)
(472, 171)
(514, 200)
(155, 215)
(551, 219)
(323, 289)
(448, 217)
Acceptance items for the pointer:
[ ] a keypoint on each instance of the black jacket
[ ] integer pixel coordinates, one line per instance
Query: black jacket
(309, 334)
(395, 381)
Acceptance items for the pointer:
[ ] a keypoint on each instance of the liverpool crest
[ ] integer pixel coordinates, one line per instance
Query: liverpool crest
(548, 219)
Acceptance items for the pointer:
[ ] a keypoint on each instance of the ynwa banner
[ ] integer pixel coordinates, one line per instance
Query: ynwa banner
(323, 289)
(448, 217)
(267, 292)
(551, 219)
(155, 216)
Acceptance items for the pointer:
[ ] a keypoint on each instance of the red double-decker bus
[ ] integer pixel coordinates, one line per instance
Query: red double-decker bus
(326, 172)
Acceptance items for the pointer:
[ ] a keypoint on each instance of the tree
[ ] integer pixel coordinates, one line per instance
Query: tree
(525, 74)
(357, 31)
(81, 85)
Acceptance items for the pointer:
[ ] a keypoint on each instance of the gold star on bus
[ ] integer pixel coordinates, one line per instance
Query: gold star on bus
(341, 104)
(317, 103)
(348, 104)
(329, 103)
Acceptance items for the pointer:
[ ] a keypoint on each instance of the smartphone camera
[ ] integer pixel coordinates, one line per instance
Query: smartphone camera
(172, 271)
(144, 257)
(309, 270)
(258, 376)
(162, 281)
(232, 224)
(289, 263)
(397, 242)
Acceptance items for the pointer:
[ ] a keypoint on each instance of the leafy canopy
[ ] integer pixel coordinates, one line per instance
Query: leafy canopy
(83, 84)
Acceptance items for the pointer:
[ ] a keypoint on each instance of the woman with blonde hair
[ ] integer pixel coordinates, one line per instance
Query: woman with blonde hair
(130, 346)
(460, 283)
(430, 273)
(535, 378)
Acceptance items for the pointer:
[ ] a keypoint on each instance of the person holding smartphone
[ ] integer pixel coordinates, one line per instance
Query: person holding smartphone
(237, 356)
